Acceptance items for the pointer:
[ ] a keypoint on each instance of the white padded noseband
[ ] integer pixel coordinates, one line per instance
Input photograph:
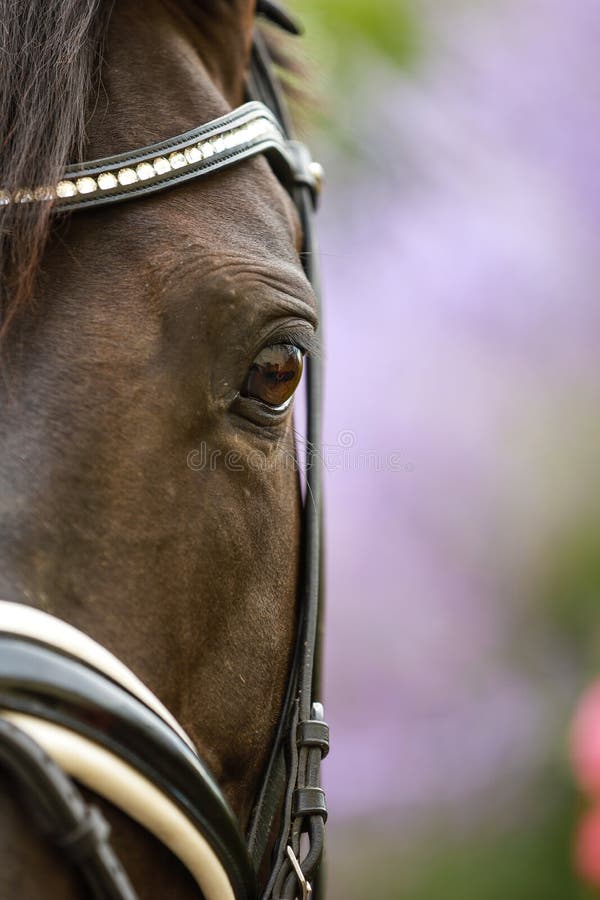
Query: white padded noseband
(102, 771)
(15, 618)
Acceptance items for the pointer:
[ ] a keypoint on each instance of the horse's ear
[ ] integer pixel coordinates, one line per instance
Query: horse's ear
(226, 28)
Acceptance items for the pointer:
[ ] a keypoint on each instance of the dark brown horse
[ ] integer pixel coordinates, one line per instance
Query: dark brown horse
(128, 332)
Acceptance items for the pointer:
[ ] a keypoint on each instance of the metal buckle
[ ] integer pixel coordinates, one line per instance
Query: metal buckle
(304, 884)
(306, 170)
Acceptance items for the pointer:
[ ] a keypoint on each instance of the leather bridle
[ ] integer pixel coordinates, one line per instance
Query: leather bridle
(67, 693)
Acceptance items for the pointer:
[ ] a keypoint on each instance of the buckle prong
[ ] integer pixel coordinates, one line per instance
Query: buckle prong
(304, 884)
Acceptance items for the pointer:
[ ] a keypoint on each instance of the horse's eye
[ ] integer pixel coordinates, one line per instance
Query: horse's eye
(274, 374)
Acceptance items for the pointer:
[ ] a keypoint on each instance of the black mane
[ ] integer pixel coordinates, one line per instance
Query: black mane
(50, 52)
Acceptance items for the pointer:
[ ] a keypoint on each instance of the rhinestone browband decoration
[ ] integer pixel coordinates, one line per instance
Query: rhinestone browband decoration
(113, 179)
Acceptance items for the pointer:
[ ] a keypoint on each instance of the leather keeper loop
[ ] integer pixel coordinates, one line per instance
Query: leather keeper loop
(313, 733)
(310, 801)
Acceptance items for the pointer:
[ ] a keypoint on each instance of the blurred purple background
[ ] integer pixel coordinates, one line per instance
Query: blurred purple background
(461, 267)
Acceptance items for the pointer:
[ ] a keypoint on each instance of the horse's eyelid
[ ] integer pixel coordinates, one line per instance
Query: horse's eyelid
(304, 338)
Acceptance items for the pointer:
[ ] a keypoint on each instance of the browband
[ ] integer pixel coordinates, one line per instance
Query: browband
(247, 131)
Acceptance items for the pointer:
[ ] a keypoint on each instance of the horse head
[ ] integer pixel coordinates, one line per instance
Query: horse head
(149, 494)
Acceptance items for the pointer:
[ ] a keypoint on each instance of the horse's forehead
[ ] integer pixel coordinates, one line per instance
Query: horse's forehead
(154, 80)
(239, 220)
(242, 210)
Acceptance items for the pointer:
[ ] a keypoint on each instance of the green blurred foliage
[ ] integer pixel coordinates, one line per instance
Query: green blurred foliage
(345, 34)
(344, 45)
(569, 594)
(530, 860)
(527, 858)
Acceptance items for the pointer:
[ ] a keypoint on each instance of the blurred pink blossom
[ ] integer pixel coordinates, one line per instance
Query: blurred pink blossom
(585, 744)
(587, 847)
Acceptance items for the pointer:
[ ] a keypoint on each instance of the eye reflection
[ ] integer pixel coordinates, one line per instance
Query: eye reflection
(274, 374)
